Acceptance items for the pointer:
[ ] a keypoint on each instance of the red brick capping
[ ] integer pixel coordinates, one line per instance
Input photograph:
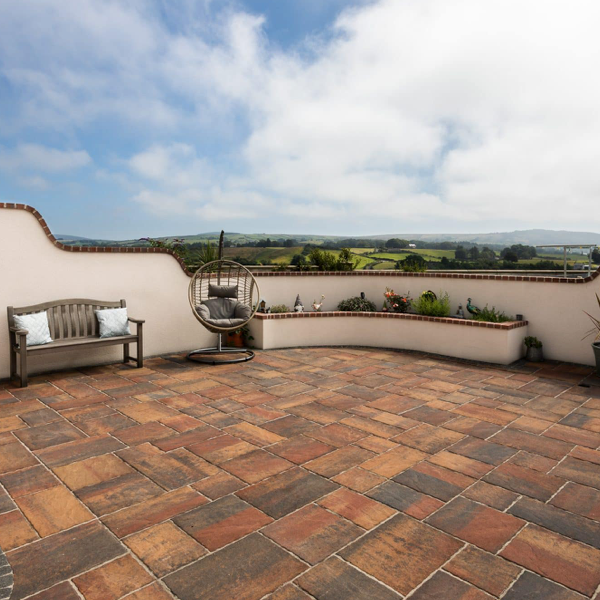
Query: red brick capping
(389, 315)
(384, 273)
(91, 249)
(434, 274)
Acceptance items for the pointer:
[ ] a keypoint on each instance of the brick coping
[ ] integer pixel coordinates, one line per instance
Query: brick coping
(389, 315)
(91, 249)
(384, 273)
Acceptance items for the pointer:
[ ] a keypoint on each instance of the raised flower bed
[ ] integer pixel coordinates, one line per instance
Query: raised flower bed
(500, 343)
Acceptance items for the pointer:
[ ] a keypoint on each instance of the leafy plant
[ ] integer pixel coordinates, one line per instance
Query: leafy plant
(532, 342)
(431, 305)
(280, 308)
(327, 261)
(357, 304)
(396, 302)
(596, 323)
(207, 253)
(281, 267)
(177, 246)
(491, 315)
(245, 331)
(414, 263)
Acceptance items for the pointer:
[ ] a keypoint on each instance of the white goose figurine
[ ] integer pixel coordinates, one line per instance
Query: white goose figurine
(316, 306)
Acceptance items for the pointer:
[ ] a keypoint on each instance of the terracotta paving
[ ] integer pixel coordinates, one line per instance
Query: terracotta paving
(331, 474)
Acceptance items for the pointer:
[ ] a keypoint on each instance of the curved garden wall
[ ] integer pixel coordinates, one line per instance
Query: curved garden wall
(35, 267)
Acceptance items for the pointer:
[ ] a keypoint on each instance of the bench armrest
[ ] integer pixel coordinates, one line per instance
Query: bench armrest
(138, 321)
(18, 331)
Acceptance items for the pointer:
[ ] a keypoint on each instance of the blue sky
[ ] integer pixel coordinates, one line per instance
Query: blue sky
(121, 120)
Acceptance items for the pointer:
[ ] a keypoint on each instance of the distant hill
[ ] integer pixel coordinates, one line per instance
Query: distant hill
(532, 237)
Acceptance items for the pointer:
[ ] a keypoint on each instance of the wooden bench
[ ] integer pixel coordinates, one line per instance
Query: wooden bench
(73, 325)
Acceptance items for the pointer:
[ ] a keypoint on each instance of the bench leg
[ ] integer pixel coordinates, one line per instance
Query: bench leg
(125, 352)
(23, 365)
(140, 347)
(13, 362)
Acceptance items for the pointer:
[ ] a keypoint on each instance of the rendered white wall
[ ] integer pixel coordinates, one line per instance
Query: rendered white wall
(33, 270)
(474, 343)
(554, 310)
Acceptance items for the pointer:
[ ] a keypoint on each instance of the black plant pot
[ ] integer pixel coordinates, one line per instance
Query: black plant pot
(535, 355)
(596, 347)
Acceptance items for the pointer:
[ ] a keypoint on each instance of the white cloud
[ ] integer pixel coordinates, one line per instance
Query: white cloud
(34, 182)
(428, 110)
(34, 157)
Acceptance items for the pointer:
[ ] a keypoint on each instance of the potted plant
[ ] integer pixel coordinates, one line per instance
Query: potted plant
(596, 331)
(356, 304)
(240, 338)
(534, 349)
(235, 338)
(395, 302)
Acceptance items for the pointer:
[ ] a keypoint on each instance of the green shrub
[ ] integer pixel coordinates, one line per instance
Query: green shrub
(414, 263)
(532, 342)
(280, 308)
(327, 261)
(357, 304)
(430, 305)
(491, 315)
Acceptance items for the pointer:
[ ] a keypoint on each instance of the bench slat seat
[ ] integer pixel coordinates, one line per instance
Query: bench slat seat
(73, 325)
(79, 342)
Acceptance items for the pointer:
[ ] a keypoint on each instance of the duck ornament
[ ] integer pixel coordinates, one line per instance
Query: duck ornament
(317, 305)
(472, 309)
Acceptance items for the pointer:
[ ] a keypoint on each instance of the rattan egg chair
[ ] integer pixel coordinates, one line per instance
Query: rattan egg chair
(224, 297)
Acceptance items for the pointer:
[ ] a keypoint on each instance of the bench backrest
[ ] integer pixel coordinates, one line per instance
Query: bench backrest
(71, 318)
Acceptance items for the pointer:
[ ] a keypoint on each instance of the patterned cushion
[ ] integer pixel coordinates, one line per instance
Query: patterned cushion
(36, 324)
(113, 322)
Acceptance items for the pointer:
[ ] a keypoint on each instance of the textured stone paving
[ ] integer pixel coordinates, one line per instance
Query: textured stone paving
(335, 474)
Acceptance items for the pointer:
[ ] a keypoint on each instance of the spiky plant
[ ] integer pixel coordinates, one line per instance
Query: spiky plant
(596, 322)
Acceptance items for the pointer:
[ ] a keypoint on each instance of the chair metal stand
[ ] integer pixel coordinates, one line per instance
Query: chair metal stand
(208, 355)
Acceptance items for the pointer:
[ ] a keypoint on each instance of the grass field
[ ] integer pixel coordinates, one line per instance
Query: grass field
(380, 260)
(430, 255)
(275, 255)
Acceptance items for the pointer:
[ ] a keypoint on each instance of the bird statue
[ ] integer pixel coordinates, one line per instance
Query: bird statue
(317, 307)
(472, 309)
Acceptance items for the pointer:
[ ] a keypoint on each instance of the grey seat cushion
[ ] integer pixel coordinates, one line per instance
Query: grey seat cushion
(224, 312)
(226, 322)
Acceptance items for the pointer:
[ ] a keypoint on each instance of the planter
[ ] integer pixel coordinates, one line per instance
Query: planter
(535, 355)
(500, 343)
(596, 347)
(235, 339)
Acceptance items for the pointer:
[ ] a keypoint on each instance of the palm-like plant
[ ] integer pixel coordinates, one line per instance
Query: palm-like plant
(207, 253)
(596, 322)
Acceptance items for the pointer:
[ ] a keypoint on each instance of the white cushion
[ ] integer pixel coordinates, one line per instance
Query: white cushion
(36, 324)
(113, 322)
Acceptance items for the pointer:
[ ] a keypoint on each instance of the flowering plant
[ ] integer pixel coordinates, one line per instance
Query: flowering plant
(396, 302)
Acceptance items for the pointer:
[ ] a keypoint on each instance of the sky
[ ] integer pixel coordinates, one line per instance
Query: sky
(121, 120)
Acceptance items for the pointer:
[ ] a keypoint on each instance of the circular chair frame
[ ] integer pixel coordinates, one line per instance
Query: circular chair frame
(233, 273)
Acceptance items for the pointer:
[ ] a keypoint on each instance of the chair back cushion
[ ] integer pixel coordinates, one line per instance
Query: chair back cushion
(36, 324)
(222, 291)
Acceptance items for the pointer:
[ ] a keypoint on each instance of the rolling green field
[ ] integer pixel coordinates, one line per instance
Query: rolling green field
(277, 256)
(430, 255)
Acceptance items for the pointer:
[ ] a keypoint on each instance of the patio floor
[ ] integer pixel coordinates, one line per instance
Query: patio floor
(336, 474)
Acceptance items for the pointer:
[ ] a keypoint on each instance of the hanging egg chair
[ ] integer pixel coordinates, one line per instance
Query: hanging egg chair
(224, 297)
